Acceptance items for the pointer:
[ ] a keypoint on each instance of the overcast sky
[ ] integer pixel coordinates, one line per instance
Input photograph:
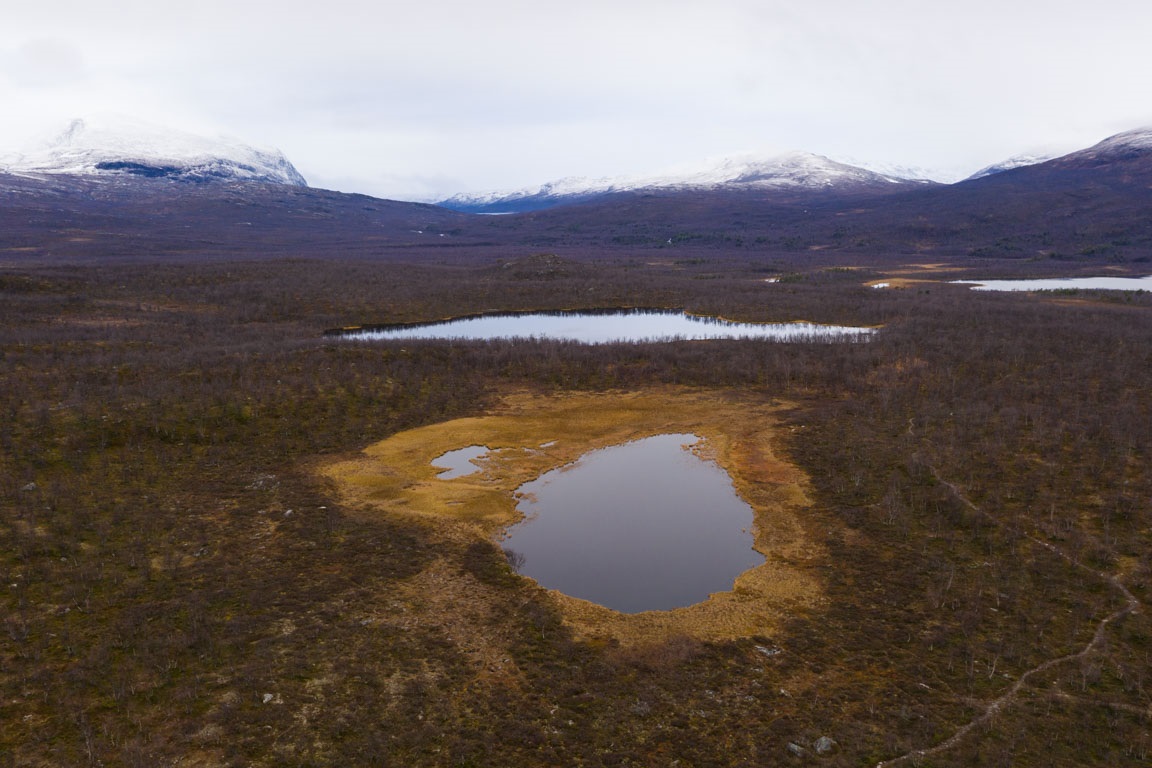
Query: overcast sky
(417, 100)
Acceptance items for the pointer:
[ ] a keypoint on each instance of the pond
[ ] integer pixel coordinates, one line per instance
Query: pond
(460, 462)
(1062, 284)
(605, 327)
(649, 525)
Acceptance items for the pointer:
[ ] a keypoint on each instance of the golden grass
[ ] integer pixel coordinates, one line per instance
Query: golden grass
(529, 435)
(902, 282)
(914, 275)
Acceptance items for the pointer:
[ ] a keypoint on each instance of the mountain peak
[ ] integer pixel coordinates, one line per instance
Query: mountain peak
(1016, 161)
(1137, 141)
(121, 146)
(792, 172)
(1123, 148)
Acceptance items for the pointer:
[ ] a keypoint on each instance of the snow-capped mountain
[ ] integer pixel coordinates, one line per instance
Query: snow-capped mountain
(119, 147)
(795, 171)
(1129, 145)
(1016, 161)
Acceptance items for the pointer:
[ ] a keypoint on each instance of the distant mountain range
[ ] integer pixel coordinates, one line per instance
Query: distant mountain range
(116, 189)
(116, 147)
(95, 194)
(789, 173)
(792, 175)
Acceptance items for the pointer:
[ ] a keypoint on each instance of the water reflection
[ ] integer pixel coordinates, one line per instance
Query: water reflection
(606, 327)
(644, 526)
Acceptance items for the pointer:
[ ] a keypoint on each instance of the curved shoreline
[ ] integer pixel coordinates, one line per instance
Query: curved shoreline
(395, 477)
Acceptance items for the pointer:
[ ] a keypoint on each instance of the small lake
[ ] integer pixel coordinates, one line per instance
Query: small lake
(460, 462)
(1063, 284)
(644, 526)
(633, 326)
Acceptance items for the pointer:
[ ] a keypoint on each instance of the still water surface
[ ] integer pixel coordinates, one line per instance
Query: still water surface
(606, 327)
(644, 526)
(460, 462)
(1056, 284)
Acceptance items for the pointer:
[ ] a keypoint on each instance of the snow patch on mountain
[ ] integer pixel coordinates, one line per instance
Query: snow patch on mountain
(1126, 144)
(903, 172)
(119, 146)
(1016, 161)
(795, 169)
(792, 171)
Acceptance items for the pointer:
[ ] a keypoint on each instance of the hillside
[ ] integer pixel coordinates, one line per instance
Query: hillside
(58, 217)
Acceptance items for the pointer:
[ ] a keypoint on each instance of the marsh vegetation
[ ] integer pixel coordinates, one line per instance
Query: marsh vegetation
(967, 495)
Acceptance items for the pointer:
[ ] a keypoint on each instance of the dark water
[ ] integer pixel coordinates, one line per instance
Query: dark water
(645, 526)
(606, 327)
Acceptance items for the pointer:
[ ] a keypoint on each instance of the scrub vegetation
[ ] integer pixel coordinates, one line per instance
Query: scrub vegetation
(184, 584)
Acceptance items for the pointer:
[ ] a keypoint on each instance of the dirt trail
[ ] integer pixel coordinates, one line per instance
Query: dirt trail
(1131, 605)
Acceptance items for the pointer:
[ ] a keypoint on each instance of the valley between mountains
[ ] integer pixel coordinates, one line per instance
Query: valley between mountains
(222, 540)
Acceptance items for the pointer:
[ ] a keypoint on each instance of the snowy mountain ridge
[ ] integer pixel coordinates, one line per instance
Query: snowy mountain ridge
(1011, 163)
(797, 171)
(791, 171)
(1126, 144)
(118, 147)
(1121, 146)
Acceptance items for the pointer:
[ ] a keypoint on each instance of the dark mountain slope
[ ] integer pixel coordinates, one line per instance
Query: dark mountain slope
(62, 217)
(1089, 205)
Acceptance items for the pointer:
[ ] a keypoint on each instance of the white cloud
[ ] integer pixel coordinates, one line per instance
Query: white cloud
(404, 97)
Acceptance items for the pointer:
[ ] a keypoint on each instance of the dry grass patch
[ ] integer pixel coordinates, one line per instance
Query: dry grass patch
(528, 435)
(901, 282)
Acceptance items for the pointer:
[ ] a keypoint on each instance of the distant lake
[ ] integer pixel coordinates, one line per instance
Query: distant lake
(641, 325)
(1057, 284)
(644, 526)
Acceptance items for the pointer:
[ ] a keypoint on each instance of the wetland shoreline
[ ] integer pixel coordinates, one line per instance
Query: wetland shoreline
(395, 477)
